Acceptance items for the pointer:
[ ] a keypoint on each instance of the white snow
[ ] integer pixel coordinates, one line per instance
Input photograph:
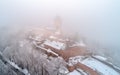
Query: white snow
(55, 44)
(52, 37)
(63, 70)
(100, 57)
(48, 50)
(94, 64)
(74, 73)
(22, 43)
(99, 66)
(37, 38)
(25, 71)
(81, 43)
(75, 60)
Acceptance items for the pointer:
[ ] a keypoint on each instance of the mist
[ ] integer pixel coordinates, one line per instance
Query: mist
(97, 20)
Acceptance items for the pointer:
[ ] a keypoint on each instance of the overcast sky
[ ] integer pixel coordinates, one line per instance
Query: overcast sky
(96, 19)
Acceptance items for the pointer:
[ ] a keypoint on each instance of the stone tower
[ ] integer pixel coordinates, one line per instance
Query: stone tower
(57, 23)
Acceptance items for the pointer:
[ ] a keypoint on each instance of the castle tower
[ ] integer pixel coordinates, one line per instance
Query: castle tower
(57, 23)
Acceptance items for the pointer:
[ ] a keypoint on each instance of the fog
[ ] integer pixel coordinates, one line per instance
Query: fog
(97, 20)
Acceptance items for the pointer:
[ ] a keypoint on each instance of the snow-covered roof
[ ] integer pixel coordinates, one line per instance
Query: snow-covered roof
(100, 67)
(75, 72)
(52, 37)
(55, 44)
(100, 57)
(95, 65)
(81, 43)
